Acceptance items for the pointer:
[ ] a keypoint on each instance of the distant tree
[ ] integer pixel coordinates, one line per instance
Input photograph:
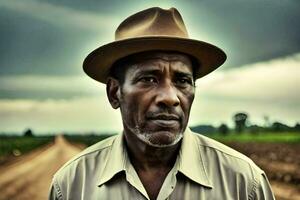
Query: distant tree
(254, 129)
(223, 128)
(204, 129)
(278, 127)
(240, 120)
(297, 127)
(267, 121)
(28, 133)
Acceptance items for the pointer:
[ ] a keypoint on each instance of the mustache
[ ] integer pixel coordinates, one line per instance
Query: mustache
(164, 115)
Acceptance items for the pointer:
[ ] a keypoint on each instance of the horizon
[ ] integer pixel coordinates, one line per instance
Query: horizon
(267, 125)
(43, 86)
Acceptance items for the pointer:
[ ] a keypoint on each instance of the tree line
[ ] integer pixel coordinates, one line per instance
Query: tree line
(242, 124)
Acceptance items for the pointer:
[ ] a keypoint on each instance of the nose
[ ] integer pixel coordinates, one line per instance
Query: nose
(167, 96)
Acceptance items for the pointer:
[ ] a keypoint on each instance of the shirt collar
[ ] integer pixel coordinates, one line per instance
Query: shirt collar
(115, 162)
(189, 161)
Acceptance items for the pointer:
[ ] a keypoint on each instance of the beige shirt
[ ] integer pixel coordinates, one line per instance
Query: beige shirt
(204, 169)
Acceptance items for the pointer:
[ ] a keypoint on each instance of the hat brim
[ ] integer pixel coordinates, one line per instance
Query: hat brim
(97, 64)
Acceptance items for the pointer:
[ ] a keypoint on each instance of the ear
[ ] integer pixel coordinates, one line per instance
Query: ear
(113, 92)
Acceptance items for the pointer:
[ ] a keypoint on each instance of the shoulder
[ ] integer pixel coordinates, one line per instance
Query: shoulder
(82, 171)
(92, 157)
(213, 146)
(230, 169)
(92, 151)
(227, 162)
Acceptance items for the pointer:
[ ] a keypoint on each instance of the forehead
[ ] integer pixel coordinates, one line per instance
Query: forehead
(176, 61)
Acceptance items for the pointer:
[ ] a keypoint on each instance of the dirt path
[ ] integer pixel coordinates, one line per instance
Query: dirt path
(30, 178)
(280, 161)
(285, 191)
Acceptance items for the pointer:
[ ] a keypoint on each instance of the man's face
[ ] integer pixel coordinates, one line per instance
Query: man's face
(156, 97)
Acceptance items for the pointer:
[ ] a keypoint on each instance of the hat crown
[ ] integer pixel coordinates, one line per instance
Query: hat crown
(152, 22)
(153, 29)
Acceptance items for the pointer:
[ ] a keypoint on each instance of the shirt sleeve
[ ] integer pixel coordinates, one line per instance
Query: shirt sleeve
(54, 193)
(263, 189)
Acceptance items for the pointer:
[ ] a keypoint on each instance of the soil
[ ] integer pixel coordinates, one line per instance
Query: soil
(29, 176)
(280, 161)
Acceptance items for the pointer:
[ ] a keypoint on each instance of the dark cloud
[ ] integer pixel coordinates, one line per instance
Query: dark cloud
(249, 31)
(43, 44)
(33, 46)
(97, 6)
(43, 94)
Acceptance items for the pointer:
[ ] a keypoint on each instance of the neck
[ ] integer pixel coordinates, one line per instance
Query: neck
(146, 157)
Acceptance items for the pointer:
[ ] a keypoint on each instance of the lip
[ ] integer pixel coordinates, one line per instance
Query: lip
(164, 117)
(165, 123)
(165, 120)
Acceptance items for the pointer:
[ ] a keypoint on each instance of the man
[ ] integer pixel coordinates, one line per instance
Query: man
(150, 72)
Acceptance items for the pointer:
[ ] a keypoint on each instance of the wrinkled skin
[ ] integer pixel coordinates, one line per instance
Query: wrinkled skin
(155, 98)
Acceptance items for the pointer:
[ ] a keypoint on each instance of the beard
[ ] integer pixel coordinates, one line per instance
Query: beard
(159, 138)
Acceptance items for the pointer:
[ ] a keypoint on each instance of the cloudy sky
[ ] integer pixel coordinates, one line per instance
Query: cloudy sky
(43, 44)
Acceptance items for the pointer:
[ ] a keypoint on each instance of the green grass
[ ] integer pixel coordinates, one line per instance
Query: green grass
(87, 140)
(268, 137)
(17, 145)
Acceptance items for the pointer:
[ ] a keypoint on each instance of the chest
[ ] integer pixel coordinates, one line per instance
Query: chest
(171, 188)
(163, 191)
(152, 182)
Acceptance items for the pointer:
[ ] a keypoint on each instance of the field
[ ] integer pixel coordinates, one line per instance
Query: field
(267, 137)
(277, 154)
(14, 146)
(87, 140)
(29, 176)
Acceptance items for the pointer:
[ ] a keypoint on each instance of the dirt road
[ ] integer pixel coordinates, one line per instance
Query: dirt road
(30, 177)
(280, 161)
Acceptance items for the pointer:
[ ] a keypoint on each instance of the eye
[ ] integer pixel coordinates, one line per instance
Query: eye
(184, 81)
(149, 79)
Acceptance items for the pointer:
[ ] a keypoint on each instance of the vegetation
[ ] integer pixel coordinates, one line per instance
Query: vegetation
(223, 129)
(87, 140)
(263, 137)
(267, 137)
(28, 133)
(17, 145)
(243, 131)
(240, 120)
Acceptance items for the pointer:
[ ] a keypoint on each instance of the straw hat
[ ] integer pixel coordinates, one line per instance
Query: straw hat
(148, 30)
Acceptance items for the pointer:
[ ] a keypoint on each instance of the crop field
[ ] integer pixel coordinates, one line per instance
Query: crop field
(87, 140)
(14, 146)
(266, 137)
(276, 153)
